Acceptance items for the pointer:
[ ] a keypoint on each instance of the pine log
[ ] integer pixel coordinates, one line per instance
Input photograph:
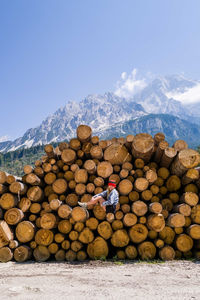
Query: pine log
(104, 169)
(117, 154)
(180, 145)
(48, 221)
(120, 238)
(195, 214)
(79, 214)
(190, 176)
(156, 222)
(98, 248)
(186, 159)
(141, 184)
(155, 208)
(22, 253)
(84, 133)
(64, 211)
(160, 150)
(13, 244)
(5, 254)
(68, 156)
(96, 152)
(159, 137)
(3, 177)
(183, 209)
(194, 231)
(3, 189)
(176, 220)
(59, 186)
(13, 216)
(190, 198)
(125, 187)
(138, 233)
(86, 236)
(139, 208)
(8, 201)
(81, 176)
(147, 250)
(184, 242)
(167, 253)
(25, 231)
(142, 146)
(167, 157)
(104, 229)
(173, 183)
(41, 253)
(35, 193)
(90, 166)
(129, 219)
(6, 234)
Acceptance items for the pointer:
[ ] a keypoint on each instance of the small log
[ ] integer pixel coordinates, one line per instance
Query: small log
(147, 250)
(68, 156)
(138, 233)
(22, 253)
(64, 211)
(75, 144)
(44, 237)
(81, 176)
(80, 189)
(190, 176)
(59, 186)
(156, 222)
(120, 238)
(159, 137)
(141, 184)
(84, 133)
(139, 208)
(33, 179)
(13, 244)
(194, 231)
(99, 181)
(96, 152)
(35, 208)
(86, 236)
(5, 254)
(190, 198)
(195, 214)
(125, 187)
(167, 253)
(90, 166)
(13, 216)
(183, 209)
(184, 242)
(98, 248)
(3, 177)
(81, 255)
(186, 159)
(131, 252)
(142, 146)
(35, 193)
(3, 189)
(25, 231)
(79, 214)
(167, 157)
(92, 223)
(180, 145)
(159, 151)
(53, 248)
(41, 253)
(8, 201)
(104, 169)
(48, 221)
(70, 255)
(176, 220)
(173, 183)
(60, 255)
(129, 219)
(117, 154)
(104, 229)
(151, 176)
(155, 208)
(6, 234)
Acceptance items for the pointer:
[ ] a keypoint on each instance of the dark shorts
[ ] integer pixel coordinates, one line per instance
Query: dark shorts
(110, 209)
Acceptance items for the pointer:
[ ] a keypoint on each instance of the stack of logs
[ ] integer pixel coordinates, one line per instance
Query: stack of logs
(158, 215)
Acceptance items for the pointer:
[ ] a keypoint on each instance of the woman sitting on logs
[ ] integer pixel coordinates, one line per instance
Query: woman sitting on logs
(111, 195)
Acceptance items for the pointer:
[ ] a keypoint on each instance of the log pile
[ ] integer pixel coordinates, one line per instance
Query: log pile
(158, 215)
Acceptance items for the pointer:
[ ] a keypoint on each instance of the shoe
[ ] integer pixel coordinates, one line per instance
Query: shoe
(84, 205)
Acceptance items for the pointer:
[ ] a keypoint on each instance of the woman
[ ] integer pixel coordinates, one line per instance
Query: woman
(108, 199)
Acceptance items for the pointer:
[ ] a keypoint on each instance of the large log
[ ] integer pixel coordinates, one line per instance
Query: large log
(117, 154)
(84, 133)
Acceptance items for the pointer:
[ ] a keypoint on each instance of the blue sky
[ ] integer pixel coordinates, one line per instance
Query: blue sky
(53, 51)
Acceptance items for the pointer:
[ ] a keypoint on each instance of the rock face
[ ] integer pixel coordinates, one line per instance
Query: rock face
(103, 112)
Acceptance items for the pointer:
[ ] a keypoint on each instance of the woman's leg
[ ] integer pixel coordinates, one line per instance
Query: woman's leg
(94, 201)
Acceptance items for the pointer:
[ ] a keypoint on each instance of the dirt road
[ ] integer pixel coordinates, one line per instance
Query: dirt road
(100, 280)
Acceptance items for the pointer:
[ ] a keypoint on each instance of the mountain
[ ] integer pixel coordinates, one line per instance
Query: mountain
(99, 112)
(173, 127)
(106, 112)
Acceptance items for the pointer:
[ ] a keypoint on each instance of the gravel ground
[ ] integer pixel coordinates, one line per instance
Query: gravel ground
(100, 280)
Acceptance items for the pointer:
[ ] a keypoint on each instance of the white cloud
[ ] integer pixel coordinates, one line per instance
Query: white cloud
(4, 138)
(191, 95)
(129, 85)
